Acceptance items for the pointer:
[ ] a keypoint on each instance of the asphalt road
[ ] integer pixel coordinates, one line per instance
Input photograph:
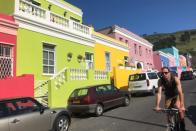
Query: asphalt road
(139, 116)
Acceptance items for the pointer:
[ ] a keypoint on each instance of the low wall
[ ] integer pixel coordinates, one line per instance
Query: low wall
(17, 86)
(121, 76)
(60, 90)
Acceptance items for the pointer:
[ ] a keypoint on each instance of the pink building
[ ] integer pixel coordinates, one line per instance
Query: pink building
(140, 50)
(183, 61)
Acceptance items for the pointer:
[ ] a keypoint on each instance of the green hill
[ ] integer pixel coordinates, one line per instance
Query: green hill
(185, 41)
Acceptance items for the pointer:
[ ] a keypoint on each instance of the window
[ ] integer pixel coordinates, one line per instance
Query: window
(137, 77)
(140, 50)
(26, 106)
(146, 52)
(135, 48)
(89, 60)
(6, 61)
(107, 60)
(152, 76)
(80, 92)
(101, 89)
(126, 61)
(120, 38)
(48, 59)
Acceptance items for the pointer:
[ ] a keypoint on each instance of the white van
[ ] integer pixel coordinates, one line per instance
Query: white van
(146, 82)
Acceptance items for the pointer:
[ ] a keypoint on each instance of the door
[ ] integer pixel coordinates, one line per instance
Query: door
(103, 96)
(27, 116)
(116, 97)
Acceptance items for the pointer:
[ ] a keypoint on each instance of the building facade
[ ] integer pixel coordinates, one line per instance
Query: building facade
(8, 35)
(140, 50)
(173, 51)
(160, 60)
(182, 60)
(54, 46)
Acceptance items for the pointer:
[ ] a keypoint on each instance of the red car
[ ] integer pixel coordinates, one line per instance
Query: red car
(96, 99)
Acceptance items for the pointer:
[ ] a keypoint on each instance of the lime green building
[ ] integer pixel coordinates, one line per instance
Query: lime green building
(54, 45)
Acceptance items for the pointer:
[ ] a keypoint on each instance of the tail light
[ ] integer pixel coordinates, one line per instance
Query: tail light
(148, 82)
(86, 100)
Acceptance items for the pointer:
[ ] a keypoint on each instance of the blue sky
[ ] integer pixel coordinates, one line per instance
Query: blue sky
(140, 16)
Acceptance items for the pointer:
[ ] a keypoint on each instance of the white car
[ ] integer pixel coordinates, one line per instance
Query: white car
(146, 82)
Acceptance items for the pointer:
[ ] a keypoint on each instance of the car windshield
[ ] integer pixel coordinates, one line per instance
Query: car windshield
(152, 76)
(79, 92)
(137, 77)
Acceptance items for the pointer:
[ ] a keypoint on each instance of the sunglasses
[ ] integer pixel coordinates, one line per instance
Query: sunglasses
(165, 73)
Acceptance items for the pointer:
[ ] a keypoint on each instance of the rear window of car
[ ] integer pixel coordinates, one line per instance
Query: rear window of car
(152, 76)
(137, 77)
(79, 92)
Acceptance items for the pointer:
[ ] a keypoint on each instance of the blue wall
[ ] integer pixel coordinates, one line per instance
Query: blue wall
(173, 51)
(164, 61)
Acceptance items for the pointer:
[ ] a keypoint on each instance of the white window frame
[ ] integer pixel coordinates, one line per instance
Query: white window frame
(108, 63)
(49, 51)
(89, 62)
(4, 55)
(126, 60)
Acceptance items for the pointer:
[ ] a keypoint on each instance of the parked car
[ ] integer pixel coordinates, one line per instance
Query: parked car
(187, 75)
(27, 114)
(96, 99)
(143, 83)
(194, 72)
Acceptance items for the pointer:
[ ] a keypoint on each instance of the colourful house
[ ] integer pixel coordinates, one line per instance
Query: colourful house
(54, 45)
(8, 32)
(140, 50)
(113, 55)
(172, 61)
(173, 51)
(183, 61)
(160, 60)
(10, 84)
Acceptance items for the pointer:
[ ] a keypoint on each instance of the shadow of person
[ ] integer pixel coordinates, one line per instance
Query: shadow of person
(191, 114)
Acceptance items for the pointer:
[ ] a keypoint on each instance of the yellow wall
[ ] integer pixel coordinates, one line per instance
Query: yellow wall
(121, 77)
(116, 56)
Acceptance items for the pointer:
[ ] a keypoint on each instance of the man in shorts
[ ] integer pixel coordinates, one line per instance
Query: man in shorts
(173, 94)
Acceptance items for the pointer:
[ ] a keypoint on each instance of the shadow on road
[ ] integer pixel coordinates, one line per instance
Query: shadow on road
(191, 114)
(136, 121)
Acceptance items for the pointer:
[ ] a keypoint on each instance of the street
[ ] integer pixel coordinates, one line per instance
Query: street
(138, 116)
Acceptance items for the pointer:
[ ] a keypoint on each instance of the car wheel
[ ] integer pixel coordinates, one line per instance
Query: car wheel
(62, 123)
(99, 110)
(126, 101)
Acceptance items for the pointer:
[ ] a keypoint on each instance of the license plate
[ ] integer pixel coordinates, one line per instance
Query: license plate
(137, 86)
(76, 102)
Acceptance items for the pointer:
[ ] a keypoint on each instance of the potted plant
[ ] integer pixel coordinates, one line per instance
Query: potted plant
(69, 56)
(80, 57)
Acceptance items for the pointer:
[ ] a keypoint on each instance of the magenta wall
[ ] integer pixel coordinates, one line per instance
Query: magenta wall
(17, 86)
(8, 35)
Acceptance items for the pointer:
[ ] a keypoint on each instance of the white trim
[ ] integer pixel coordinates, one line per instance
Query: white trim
(130, 37)
(6, 43)
(7, 23)
(109, 43)
(67, 7)
(48, 29)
